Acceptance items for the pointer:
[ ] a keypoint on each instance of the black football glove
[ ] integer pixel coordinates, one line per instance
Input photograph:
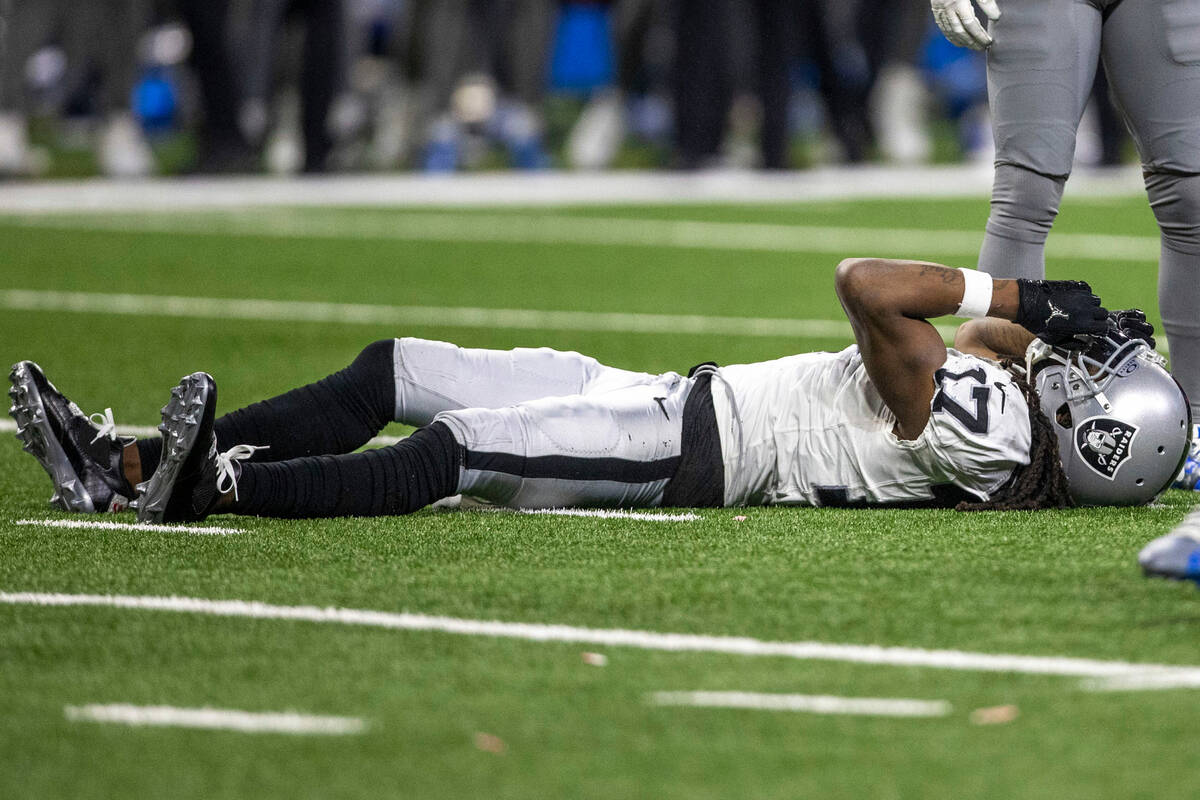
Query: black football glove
(1057, 311)
(1131, 323)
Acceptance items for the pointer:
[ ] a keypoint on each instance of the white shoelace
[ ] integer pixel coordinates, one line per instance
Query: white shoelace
(107, 427)
(227, 468)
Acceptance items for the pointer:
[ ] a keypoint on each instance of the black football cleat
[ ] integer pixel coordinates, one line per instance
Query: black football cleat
(83, 460)
(184, 487)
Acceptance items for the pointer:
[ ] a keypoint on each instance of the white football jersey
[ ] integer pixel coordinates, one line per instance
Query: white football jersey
(811, 429)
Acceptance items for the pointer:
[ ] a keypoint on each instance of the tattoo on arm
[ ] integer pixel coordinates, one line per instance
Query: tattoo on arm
(947, 275)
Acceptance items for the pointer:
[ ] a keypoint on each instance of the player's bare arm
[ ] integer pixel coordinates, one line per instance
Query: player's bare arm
(997, 338)
(992, 338)
(889, 303)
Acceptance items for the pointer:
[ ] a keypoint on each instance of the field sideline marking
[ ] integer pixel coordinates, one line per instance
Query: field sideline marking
(216, 719)
(143, 431)
(433, 316)
(811, 703)
(558, 229)
(128, 526)
(505, 189)
(615, 637)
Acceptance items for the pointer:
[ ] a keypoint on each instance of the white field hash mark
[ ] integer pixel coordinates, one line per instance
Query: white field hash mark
(811, 703)
(959, 660)
(216, 719)
(130, 526)
(600, 513)
(1144, 681)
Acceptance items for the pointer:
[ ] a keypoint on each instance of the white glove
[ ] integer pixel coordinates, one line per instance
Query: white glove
(957, 20)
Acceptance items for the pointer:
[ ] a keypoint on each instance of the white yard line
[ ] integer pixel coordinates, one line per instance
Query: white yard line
(143, 431)
(1143, 682)
(545, 189)
(613, 231)
(129, 526)
(402, 317)
(216, 719)
(615, 637)
(811, 703)
(599, 513)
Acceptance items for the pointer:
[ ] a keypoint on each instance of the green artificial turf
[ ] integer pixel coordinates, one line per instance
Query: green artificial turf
(1050, 584)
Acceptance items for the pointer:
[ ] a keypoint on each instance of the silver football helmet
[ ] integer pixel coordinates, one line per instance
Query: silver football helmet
(1122, 421)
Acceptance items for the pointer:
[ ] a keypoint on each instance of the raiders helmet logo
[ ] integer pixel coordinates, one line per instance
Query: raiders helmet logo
(1104, 444)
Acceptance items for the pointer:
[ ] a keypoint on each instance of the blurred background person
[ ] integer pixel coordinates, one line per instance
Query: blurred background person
(483, 64)
(895, 33)
(220, 143)
(734, 70)
(636, 98)
(443, 85)
(88, 50)
(320, 30)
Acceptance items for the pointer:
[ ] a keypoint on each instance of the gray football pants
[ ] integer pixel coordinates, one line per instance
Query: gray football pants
(544, 429)
(1040, 73)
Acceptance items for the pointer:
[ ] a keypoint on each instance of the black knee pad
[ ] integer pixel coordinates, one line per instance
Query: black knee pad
(371, 381)
(1175, 198)
(374, 363)
(1024, 203)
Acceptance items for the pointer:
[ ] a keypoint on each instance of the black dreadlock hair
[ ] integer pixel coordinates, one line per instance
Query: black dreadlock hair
(1039, 484)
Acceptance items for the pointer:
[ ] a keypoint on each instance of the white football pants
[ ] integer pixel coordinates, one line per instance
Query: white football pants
(544, 429)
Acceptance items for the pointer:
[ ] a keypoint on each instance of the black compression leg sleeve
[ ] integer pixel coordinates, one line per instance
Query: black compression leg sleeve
(338, 414)
(392, 480)
(150, 453)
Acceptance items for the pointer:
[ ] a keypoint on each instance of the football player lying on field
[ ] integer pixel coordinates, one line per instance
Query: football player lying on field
(897, 419)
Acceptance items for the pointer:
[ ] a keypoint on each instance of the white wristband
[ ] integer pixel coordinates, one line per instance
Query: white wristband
(977, 294)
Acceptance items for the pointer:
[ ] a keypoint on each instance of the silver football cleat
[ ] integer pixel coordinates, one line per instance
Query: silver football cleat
(183, 486)
(82, 460)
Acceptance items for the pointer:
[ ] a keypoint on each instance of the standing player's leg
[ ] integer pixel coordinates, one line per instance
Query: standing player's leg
(1152, 57)
(1153, 60)
(618, 449)
(1040, 72)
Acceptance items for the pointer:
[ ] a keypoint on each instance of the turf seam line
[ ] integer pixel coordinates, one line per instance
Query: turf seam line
(289, 722)
(810, 703)
(596, 231)
(615, 637)
(262, 310)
